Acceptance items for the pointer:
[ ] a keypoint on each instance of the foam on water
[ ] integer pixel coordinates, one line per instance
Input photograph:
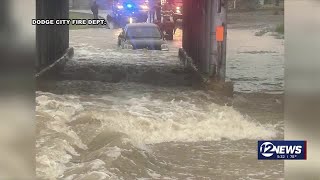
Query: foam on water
(154, 121)
(143, 119)
(148, 120)
(89, 55)
(55, 140)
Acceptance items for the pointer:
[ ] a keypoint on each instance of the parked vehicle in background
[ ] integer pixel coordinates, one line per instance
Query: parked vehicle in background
(129, 11)
(178, 9)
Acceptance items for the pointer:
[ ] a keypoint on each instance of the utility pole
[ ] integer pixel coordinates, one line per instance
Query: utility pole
(223, 56)
(208, 34)
(218, 34)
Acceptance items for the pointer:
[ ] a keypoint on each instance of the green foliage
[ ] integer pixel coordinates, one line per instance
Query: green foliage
(280, 29)
(248, 4)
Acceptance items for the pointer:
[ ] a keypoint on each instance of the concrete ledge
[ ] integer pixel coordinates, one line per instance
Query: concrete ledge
(208, 83)
(57, 66)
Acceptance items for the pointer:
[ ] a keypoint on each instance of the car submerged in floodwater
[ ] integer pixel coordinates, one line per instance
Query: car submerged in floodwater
(142, 36)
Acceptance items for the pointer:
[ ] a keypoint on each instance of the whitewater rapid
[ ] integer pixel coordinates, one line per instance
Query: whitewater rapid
(130, 120)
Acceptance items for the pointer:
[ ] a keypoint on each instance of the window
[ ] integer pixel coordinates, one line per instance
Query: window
(143, 32)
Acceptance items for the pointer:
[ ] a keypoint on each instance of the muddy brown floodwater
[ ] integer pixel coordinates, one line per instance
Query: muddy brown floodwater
(118, 114)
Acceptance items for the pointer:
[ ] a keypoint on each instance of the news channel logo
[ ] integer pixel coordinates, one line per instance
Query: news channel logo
(282, 150)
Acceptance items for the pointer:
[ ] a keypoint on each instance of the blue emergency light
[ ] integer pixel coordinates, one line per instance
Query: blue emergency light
(129, 5)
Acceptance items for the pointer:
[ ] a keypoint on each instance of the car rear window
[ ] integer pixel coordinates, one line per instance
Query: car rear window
(143, 32)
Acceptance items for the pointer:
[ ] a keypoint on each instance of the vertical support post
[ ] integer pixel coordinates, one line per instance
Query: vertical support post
(51, 41)
(192, 33)
(203, 37)
(184, 25)
(204, 40)
(222, 62)
(65, 15)
(213, 42)
(218, 49)
(207, 32)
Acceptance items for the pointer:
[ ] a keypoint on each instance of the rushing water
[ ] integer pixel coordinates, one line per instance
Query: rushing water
(255, 63)
(117, 114)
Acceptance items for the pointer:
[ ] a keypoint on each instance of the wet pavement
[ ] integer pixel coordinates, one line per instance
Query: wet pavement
(121, 114)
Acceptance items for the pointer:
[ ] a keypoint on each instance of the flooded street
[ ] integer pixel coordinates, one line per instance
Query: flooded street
(255, 64)
(121, 114)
